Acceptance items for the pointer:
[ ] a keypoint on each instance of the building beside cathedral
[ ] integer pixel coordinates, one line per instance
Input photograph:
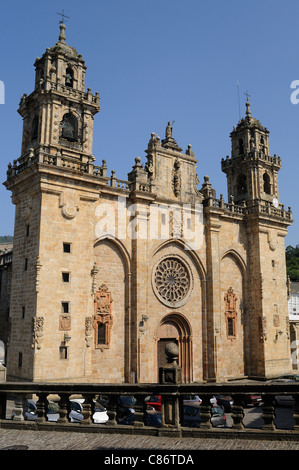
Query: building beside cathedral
(105, 272)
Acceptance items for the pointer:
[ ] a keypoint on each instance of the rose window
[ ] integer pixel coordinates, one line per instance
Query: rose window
(172, 280)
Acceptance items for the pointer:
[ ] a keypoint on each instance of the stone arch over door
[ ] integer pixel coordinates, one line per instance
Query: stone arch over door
(175, 328)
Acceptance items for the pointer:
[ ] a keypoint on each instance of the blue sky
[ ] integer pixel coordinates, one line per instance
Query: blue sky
(160, 60)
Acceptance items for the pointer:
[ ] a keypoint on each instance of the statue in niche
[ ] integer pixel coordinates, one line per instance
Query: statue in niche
(177, 178)
(230, 301)
(102, 319)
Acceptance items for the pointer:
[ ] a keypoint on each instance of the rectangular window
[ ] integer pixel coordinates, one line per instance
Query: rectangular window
(101, 336)
(230, 327)
(66, 277)
(20, 360)
(23, 312)
(66, 247)
(65, 307)
(26, 264)
(63, 350)
(27, 230)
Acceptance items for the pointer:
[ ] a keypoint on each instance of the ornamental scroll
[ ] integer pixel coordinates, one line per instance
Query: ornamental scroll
(102, 319)
(230, 300)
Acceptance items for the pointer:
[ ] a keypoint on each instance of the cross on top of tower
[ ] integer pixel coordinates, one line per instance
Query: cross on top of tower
(63, 16)
(62, 26)
(247, 95)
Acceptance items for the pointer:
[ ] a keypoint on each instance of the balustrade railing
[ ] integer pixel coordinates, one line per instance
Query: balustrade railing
(128, 410)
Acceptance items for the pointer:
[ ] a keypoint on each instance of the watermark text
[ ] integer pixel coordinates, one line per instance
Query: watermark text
(2, 92)
(153, 222)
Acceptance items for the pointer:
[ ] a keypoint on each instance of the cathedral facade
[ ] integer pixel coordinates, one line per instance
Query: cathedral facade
(107, 272)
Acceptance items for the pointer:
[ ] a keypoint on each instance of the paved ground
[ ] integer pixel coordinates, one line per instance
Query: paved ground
(52, 440)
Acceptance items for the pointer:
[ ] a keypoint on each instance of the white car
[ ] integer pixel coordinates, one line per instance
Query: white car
(196, 399)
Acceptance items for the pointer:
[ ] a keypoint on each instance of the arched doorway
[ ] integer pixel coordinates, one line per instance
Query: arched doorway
(174, 328)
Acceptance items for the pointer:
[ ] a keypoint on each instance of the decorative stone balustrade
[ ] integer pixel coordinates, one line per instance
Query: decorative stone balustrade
(172, 402)
(253, 207)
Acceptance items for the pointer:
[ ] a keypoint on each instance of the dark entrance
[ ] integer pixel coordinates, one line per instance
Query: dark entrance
(176, 329)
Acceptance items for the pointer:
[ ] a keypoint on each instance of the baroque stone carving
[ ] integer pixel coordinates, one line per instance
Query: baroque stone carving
(37, 331)
(177, 178)
(263, 328)
(172, 281)
(38, 268)
(94, 273)
(102, 319)
(88, 331)
(64, 322)
(230, 300)
(69, 209)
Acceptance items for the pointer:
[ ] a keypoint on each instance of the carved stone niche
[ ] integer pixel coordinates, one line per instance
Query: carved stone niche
(230, 300)
(102, 319)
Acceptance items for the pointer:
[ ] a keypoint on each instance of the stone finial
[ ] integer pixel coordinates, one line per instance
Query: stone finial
(172, 353)
(248, 112)
(62, 36)
(171, 372)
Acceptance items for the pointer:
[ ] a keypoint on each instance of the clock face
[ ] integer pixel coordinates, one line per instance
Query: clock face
(275, 202)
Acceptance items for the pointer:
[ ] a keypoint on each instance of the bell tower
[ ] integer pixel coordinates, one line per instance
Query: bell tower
(252, 183)
(54, 184)
(58, 114)
(251, 171)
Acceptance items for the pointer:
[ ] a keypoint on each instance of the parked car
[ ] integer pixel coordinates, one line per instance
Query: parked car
(192, 416)
(30, 414)
(283, 400)
(191, 398)
(154, 401)
(225, 401)
(153, 418)
(254, 400)
(125, 409)
(294, 377)
(196, 399)
(100, 415)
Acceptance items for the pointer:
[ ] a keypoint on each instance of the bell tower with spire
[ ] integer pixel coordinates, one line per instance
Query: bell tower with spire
(53, 183)
(58, 114)
(252, 183)
(251, 171)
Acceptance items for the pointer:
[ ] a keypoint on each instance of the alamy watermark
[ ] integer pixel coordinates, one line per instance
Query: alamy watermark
(295, 94)
(2, 92)
(153, 222)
